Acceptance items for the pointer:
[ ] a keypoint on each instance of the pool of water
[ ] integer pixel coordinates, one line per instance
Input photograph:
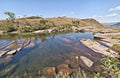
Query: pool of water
(48, 52)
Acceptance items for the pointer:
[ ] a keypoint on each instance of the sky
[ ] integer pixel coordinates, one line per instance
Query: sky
(101, 10)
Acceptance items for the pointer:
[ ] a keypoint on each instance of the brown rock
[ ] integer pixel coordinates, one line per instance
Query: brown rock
(49, 72)
(64, 69)
(98, 68)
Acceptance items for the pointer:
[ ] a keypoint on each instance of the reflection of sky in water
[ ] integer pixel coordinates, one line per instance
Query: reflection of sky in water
(49, 53)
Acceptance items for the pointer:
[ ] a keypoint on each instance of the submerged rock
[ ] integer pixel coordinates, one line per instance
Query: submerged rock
(49, 72)
(64, 68)
(12, 52)
(87, 61)
(2, 53)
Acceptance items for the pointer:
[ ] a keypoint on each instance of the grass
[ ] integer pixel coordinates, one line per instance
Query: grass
(116, 29)
(116, 47)
(116, 37)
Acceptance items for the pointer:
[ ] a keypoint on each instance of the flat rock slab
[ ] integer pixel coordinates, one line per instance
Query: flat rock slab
(87, 61)
(97, 47)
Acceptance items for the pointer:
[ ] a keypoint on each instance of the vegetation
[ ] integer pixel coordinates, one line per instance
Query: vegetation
(116, 47)
(116, 37)
(11, 15)
(34, 23)
(110, 68)
(116, 29)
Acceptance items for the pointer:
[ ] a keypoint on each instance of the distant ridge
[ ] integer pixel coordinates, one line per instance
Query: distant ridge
(113, 24)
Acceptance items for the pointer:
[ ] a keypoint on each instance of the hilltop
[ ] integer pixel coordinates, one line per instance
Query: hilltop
(66, 20)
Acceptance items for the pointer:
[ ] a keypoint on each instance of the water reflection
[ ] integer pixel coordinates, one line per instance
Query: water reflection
(40, 52)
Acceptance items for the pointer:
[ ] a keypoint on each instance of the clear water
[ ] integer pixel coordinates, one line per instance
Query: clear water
(48, 52)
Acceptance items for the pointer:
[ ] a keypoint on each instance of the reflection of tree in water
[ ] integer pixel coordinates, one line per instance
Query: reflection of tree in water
(43, 38)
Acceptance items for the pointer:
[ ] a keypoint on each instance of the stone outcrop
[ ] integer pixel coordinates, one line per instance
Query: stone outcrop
(97, 47)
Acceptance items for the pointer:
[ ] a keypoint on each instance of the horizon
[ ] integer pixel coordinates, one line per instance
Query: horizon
(108, 12)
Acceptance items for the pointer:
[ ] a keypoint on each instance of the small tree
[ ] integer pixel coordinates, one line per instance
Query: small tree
(11, 15)
(8, 25)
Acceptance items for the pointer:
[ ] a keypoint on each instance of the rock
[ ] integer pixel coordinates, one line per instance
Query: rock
(98, 48)
(31, 44)
(98, 68)
(63, 68)
(67, 61)
(49, 72)
(19, 49)
(2, 53)
(74, 29)
(87, 61)
(74, 60)
(1, 32)
(12, 52)
(41, 31)
(66, 40)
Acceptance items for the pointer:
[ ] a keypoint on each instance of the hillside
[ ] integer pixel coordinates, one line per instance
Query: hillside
(33, 23)
(91, 22)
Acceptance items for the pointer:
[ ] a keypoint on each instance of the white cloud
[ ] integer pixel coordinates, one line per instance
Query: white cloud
(97, 16)
(115, 9)
(106, 16)
(112, 15)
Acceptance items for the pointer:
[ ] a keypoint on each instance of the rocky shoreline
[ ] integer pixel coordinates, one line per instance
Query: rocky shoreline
(10, 48)
(97, 47)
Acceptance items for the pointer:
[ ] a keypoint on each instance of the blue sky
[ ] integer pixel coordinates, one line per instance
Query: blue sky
(102, 10)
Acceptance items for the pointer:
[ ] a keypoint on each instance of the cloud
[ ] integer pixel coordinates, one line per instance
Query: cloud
(106, 16)
(97, 16)
(112, 15)
(115, 9)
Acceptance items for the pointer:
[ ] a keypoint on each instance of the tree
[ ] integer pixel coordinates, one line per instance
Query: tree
(8, 25)
(11, 15)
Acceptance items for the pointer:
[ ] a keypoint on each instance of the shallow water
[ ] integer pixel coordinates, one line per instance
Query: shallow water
(48, 52)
